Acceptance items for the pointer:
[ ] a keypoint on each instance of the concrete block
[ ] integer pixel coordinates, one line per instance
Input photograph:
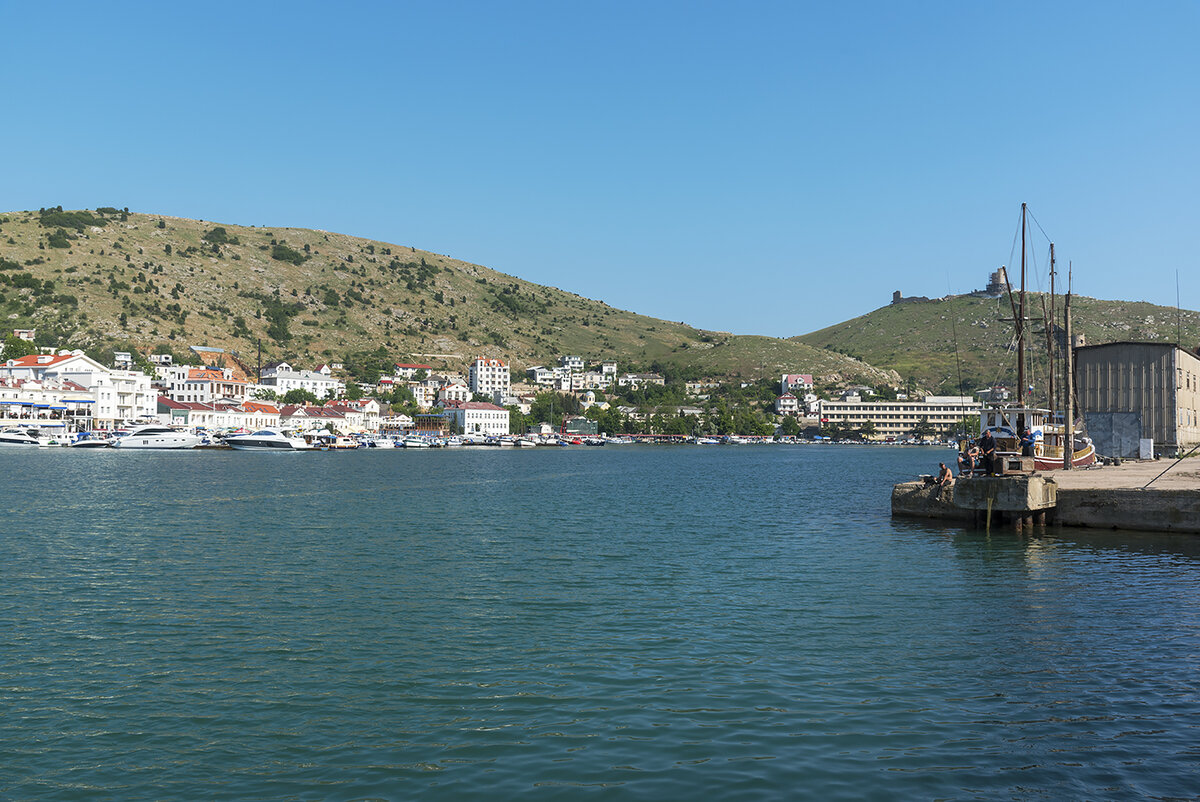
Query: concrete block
(919, 500)
(1147, 510)
(1007, 493)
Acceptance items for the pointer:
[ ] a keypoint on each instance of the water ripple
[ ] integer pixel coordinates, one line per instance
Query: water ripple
(645, 622)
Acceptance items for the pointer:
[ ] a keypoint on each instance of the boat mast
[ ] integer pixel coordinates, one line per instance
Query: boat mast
(1050, 335)
(1069, 386)
(1021, 318)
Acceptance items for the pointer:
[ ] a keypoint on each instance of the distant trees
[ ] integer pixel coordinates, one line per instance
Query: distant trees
(299, 396)
(283, 253)
(219, 236)
(15, 347)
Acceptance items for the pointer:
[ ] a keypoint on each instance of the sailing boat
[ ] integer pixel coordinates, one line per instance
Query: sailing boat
(1055, 434)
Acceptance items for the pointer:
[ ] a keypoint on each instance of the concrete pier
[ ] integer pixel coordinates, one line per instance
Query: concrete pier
(1109, 497)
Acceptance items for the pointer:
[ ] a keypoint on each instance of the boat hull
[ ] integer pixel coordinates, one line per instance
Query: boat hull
(1082, 457)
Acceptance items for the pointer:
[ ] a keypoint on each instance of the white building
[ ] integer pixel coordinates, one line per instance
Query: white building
(189, 383)
(571, 363)
(898, 418)
(792, 382)
(282, 378)
(787, 404)
(636, 380)
(454, 392)
(489, 376)
(122, 396)
(477, 417)
(252, 415)
(54, 405)
(363, 413)
(405, 372)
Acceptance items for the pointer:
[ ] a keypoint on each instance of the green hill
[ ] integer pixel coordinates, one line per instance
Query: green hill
(110, 279)
(917, 338)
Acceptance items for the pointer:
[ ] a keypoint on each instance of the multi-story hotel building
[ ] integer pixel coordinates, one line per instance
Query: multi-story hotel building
(490, 376)
(898, 418)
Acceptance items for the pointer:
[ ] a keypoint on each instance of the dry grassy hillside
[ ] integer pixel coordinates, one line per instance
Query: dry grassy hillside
(113, 279)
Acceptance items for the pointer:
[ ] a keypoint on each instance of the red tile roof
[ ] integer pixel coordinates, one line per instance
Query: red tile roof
(34, 360)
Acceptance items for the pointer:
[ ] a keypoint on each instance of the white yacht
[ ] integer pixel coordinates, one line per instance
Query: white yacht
(267, 440)
(157, 436)
(18, 437)
(90, 440)
(413, 441)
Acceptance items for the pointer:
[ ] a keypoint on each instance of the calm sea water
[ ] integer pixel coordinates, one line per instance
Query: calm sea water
(630, 622)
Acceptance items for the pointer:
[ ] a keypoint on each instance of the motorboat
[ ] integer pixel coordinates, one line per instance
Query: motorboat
(267, 440)
(18, 437)
(525, 442)
(90, 440)
(157, 436)
(413, 441)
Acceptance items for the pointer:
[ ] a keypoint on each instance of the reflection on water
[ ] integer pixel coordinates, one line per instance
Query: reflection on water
(733, 622)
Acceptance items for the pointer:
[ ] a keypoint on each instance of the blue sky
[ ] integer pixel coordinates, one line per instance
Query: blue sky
(761, 168)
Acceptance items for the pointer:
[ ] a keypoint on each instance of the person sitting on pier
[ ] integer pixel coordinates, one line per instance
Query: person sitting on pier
(944, 478)
(967, 460)
(1027, 442)
(987, 452)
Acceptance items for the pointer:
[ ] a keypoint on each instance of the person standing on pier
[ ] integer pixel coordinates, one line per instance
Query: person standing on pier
(1027, 442)
(987, 452)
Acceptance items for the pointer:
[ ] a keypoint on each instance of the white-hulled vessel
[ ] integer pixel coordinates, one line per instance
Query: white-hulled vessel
(267, 440)
(18, 437)
(90, 440)
(157, 436)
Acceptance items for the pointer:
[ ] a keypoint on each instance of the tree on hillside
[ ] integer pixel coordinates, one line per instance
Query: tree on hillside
(790, 427)
(15, 347)
(299, 396)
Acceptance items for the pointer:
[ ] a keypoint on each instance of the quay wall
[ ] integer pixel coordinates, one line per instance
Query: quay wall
(1130, 508)
(1147, 510)
(919, 500)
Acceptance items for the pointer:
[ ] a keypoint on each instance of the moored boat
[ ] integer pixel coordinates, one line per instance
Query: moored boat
(90, 440)
(157, 436)
(18, 437)
(268, 440)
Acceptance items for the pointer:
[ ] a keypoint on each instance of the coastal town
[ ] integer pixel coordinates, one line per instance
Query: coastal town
(58, 396)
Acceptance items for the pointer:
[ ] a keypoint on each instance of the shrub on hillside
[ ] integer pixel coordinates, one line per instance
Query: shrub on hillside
(219, 236)
(57, 218)
(283, 253)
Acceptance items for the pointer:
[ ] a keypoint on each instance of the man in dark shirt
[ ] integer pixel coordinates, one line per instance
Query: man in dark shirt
(1027, 442)
(987, 453)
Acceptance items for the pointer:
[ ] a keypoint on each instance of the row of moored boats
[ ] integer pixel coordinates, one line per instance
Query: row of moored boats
(156, 436)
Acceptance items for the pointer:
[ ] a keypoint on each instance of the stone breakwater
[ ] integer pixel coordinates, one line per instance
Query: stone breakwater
(1110, 497)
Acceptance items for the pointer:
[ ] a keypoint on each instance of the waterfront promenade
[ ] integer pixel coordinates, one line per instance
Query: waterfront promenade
(1132, 475)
